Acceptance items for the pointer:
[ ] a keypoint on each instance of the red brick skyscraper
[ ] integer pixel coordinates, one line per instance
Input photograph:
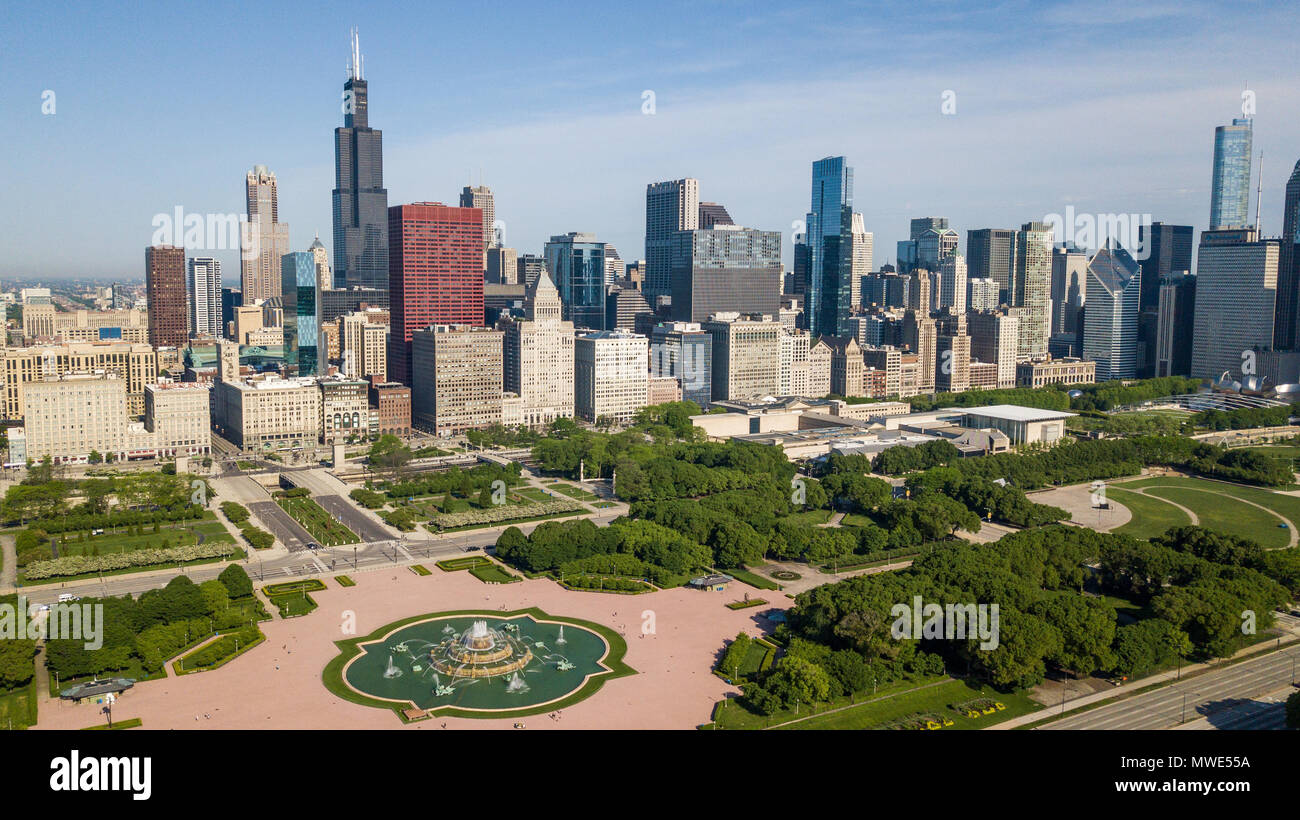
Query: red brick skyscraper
(435, 274)
(164, 279)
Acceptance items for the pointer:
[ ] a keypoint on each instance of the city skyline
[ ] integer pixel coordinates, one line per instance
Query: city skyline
(1158, 165)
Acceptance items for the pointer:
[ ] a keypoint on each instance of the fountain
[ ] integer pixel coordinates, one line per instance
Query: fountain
(516, 686)
(392, 671)
(481, 652)
(560, 641)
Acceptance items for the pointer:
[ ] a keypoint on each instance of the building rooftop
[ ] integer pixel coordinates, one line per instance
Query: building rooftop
(1013, 412)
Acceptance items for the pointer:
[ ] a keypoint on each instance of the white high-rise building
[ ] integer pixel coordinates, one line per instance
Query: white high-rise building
(324, 276)
(1031, 288)
(203, 283)
(952, 282)
(862, 257)
(538, 356)
(610, 375)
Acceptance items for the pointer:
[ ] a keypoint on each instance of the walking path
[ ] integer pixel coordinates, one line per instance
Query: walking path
(9, 557)
(1195, 519)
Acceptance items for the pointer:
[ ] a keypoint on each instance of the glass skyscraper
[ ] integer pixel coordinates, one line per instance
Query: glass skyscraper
(1230, 187)
(301, 300)
(360, 199)
(576, 262)
(830, 247)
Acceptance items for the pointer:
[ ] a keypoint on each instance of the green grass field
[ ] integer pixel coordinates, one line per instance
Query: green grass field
(935, 699)
(809, 517)
(1151, 516)
(15, 710)
(574, 492)
(1217, 504)
(170, 534)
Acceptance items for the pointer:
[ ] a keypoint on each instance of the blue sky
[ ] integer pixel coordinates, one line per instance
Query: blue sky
(1107, 106)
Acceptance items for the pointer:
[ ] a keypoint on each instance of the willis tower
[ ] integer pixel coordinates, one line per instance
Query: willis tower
(360, 199)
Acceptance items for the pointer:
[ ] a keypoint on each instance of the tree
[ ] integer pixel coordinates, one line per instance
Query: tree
(236, 581)
(1293, 711)
(389, 453)
(734, 657)
(216, 598)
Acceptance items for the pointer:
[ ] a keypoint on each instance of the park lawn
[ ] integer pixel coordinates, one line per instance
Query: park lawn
(533, 493)
(319, 524)
(293, 604)
(1287, 506)
(809, 517)
(18, 708)
(345, 581)
(753, 660)
(935, 699)
(730, 714)
(753, 579)
(1222, 513)
(492, 574)
(574, 492)
(120, 541)
(1151, 516)
(855, 520)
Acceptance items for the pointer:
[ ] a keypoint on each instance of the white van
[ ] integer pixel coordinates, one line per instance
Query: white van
(66, 597)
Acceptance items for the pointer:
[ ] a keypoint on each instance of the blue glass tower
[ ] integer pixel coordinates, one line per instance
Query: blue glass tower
(576, 262)
(830, 249)
(301, 298)
(1230, 187)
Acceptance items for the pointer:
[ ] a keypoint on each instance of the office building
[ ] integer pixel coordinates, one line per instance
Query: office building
(1031, 287)
(1110, 328)
(991, 254)
(267, 237)
(684, 351)
(1175, 325)
(995, 339)
(576, 264)
(301, 301)
(203, 283)
(456, 378)
(360, 201)
(610, 378)
(670, 207)
(863, 253)
(320, 258)
(746, 355)
(502, 266)
(1043, 372)
(538, 356)
(830, 248)
(1286, 334)
(1230, 183)
(724, 269)
(1236, 295)
(164, 275)
(1069, 288)
(480, 196)
(435, 257)
(981, 294)
(952, 281)
(1168, 250)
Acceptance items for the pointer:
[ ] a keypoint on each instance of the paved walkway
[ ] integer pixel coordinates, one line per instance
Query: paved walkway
(9, 557)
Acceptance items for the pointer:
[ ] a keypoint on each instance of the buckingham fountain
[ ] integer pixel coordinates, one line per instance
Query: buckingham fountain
(478, 663)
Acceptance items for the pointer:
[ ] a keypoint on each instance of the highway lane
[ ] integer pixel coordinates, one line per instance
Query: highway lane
(1203, 696)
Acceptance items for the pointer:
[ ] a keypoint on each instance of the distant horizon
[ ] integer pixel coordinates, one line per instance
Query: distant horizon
(569, 143)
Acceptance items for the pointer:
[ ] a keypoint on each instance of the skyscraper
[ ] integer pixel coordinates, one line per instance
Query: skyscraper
(1169, 252)
(669, 207)
(1069, 288)
(203, 283)
(576, 263)
(1031, 287)
(1236, 292)
(952, 282)
(1287, 335)
(725, 268)
(324, 276)
(1110, 327)
(991, 254)
(360, 199)
(300, 293)
(830, 244)
(435, 259)
(269, 237)
(1230, 185)
(1176, 322)
(863, 248)
(164, 281)
(711, 213)
(480, 196)
(538, 356)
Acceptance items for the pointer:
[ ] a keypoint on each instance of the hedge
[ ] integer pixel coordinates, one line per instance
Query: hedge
(82, 564)
(504, 512)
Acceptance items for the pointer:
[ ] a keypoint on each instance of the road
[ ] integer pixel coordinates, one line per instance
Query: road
(1207, 696)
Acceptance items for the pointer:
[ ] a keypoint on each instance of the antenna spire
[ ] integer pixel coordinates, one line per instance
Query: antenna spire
(354, 70)
(1259, 188)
